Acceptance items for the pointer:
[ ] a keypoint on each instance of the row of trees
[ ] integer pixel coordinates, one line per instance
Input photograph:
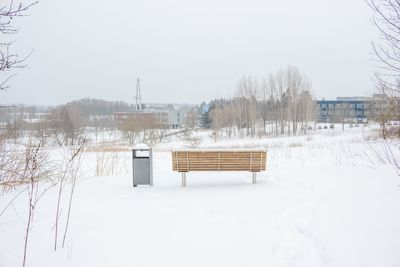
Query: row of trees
(98, 107)
(67, 124)
(275, 105)
(64, 123)
(145, 128)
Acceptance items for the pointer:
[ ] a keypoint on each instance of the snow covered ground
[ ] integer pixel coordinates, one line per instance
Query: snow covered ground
(327, 199)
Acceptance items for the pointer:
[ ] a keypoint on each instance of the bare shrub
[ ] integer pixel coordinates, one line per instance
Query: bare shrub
(26, 167)
(392, 132)
(16, 161)
(386, 152)
(69, 169)
(76, 159)
(191, 139)
(260, 133)
(295, 144)
(107, 163)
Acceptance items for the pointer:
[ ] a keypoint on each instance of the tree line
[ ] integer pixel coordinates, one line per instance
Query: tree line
(279, 104)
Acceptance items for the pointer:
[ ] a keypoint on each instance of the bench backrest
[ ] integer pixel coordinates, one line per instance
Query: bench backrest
(224, 160)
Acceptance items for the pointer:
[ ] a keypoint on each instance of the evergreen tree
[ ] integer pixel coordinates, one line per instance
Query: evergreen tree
(204, 117)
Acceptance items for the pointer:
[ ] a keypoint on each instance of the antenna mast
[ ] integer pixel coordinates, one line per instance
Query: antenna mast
(138, 106)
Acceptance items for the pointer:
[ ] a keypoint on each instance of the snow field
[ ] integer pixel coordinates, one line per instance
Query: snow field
(325, 200)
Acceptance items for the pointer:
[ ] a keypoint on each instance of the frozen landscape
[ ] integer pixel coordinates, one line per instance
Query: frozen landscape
(270, 129)
(327, 199)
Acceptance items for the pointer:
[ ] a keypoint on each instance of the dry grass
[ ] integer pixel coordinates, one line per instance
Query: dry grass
(107, 162)
(295, 144)
(108, 149)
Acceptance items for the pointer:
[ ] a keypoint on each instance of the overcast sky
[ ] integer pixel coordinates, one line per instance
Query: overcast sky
(188, 51)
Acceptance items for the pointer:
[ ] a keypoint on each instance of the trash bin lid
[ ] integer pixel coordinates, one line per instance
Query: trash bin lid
(141, 146)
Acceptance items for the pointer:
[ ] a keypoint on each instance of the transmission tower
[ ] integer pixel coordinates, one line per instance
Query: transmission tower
(138, 106)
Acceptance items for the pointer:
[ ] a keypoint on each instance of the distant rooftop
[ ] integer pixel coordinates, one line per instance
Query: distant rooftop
(357, 98)
(354, 98)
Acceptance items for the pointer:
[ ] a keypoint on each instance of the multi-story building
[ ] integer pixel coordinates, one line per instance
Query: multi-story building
(349, 109)
(169, 118)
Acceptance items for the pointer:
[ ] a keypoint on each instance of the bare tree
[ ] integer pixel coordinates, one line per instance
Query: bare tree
(274, 104)
(192, 119)
(67, 123)
(216, 121)
(246, 92)
(9, 60)
(279, 80)
(228, 118)
(386, 18)
(149, 128)
(297, 84)
(265, 93)
(306, 110)
(130, 129)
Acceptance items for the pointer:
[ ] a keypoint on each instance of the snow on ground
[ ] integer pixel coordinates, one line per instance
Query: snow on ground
(325, 200)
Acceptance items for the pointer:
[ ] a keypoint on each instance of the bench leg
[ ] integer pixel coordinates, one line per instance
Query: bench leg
(183, 179)
(254, 177)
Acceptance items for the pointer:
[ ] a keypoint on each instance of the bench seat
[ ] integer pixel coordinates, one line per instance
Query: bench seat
(251, 160)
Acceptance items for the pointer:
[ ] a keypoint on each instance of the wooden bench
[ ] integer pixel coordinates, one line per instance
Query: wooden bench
(252, 160)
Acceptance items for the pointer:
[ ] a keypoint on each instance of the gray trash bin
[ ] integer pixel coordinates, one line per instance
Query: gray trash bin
(142, 164)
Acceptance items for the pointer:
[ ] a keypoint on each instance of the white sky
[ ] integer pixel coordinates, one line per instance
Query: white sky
(188, 51)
